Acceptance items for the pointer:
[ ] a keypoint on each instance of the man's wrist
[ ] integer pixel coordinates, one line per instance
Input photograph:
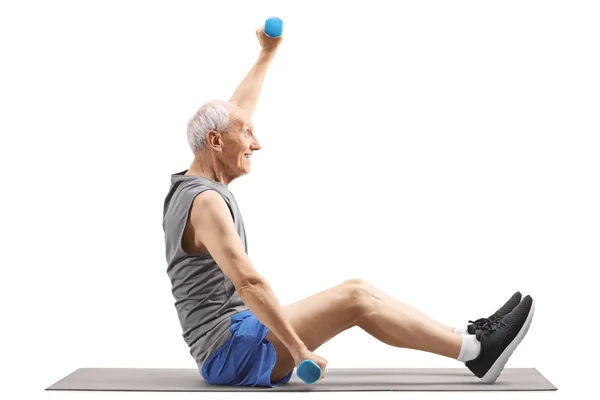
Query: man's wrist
(298, 347)
(266, 55)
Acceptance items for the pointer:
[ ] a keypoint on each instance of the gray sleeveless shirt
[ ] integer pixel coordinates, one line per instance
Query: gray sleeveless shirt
(205, 297)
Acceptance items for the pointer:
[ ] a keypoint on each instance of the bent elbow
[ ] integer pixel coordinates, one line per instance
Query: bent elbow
(249, 283)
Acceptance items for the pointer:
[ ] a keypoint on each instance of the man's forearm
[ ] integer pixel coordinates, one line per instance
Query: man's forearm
(261, 300)
(247, 94)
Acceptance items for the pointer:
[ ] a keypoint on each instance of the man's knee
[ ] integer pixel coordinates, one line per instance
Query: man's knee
(360, 297)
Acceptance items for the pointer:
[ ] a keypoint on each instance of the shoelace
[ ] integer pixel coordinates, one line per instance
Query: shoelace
(489, 326)
(479, 322)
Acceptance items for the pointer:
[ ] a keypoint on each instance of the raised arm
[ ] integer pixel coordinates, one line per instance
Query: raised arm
(247, 94)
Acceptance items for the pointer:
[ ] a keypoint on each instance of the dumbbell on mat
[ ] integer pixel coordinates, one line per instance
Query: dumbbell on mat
(309, 372)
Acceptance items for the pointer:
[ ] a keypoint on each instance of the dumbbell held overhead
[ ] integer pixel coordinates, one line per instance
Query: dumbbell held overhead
(273, 27)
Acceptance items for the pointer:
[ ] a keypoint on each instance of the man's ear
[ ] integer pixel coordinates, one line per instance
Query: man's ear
(214, 139)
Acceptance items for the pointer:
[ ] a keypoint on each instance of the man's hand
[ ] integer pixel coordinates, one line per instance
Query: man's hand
(306, 354)
(268, 44)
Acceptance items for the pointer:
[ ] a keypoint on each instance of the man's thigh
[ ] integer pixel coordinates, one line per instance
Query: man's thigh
(316, 320)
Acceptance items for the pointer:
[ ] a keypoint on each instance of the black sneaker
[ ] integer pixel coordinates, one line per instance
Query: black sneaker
(505, 309)
(499, 339)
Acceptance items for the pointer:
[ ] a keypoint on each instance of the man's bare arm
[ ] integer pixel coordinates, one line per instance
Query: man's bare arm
(214, 228)
(247, 94)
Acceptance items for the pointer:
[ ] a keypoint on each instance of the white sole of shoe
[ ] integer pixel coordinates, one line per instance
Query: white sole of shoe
(496, 369)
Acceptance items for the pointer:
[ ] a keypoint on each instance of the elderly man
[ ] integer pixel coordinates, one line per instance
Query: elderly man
(236, 329)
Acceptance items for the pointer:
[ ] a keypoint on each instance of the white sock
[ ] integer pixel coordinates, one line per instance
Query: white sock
(470, 349)
(461, 331)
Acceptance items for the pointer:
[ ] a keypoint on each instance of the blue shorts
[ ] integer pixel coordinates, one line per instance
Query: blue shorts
(247, 358)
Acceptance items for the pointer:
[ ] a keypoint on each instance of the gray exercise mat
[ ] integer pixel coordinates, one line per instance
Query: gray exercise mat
(337, 379)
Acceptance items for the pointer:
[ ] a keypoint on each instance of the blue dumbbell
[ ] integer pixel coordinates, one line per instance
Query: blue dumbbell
(273, 27)
(309, 372)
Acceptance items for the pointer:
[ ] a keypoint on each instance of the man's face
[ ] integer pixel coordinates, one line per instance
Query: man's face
(240, 141)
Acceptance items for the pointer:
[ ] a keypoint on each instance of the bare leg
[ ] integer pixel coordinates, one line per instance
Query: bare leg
(324, 315)
(405, 307)
(399, 326)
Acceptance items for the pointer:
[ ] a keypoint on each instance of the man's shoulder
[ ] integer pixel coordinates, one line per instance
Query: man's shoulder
(209, 198)
(209, 206)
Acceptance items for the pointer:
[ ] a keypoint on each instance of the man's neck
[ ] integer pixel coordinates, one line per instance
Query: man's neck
(208, 174)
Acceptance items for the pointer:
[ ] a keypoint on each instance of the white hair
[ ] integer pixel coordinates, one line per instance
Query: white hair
(211, 116)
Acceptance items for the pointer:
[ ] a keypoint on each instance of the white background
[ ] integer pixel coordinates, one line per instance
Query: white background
(445, 151)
